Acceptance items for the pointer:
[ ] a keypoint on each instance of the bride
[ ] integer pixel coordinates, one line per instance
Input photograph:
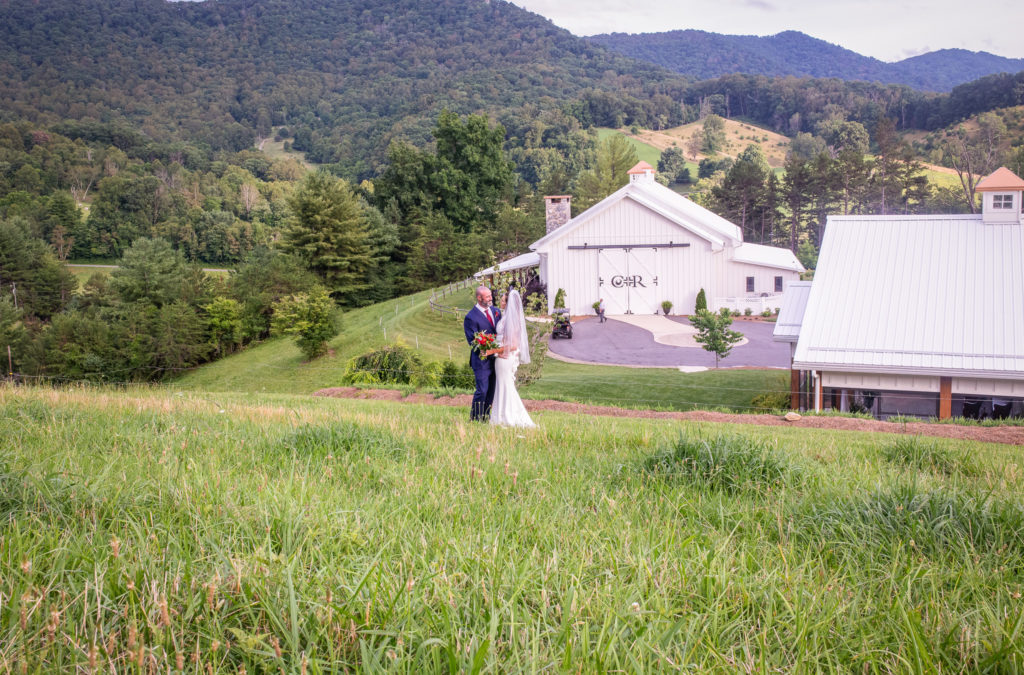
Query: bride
(508, 409)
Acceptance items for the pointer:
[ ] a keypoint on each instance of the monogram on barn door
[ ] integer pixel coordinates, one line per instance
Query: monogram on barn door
(628, 280)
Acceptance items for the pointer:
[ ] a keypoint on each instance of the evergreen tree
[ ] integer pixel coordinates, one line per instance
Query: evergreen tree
(328, 232)
(609, 172)
(796, 186)
(740, 193)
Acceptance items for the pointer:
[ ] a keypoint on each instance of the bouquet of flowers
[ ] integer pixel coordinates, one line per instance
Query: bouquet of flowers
(483, 342)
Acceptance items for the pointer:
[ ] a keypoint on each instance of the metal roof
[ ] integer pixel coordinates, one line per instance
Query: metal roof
(791, 316)
(917, 295)
(660, 199)
(770, 256)
(519, 262)
(1000, 179)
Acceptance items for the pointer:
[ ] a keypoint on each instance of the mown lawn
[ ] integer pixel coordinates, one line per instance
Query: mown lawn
(149, 532)
(655, 388)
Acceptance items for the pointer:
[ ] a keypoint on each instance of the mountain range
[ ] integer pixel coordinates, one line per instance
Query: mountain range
(702, 55)
(344, 78)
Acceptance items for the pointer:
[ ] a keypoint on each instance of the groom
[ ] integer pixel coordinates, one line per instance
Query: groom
(482, 318)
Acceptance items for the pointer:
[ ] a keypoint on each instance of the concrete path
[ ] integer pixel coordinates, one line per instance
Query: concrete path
(664, 330)
(629, 343)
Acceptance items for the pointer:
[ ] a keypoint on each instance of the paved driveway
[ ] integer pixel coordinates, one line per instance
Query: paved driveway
(616, 342)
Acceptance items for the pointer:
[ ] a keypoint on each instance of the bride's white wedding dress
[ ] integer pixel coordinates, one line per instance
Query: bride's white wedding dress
(508, 409)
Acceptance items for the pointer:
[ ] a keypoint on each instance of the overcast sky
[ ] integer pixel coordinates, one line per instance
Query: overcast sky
(886, 29)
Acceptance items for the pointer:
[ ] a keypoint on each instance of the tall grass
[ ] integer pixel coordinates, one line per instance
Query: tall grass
(142, 531)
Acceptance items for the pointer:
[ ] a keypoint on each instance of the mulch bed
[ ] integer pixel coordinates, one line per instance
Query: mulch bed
(1007, 435)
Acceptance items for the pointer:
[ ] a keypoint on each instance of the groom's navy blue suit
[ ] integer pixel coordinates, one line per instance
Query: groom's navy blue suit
(483, 369)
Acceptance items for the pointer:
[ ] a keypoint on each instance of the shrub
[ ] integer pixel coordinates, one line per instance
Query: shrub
(427, 376)
(770, 400)
(310, 318)
(455, 376)
(597, 306)
(392, 364)
(702, 301)
(560, 299)
(766, 313)
(748, 312)
(536, 304)
(736, 312)
(666, 306)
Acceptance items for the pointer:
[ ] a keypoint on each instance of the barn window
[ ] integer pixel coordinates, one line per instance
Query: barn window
(750, 284)
(1002, 201)
(778, 284)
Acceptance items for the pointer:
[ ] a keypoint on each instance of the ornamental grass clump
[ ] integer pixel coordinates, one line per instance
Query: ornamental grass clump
(931, 522)
(915, 453)
(345, 438)
(728, 463)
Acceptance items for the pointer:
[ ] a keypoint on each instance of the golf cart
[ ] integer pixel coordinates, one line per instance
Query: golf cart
(561, 328)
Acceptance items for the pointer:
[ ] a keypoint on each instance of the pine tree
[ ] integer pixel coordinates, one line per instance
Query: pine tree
(328, 232)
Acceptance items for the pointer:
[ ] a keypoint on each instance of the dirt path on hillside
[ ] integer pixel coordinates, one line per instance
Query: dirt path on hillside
(1006, 435)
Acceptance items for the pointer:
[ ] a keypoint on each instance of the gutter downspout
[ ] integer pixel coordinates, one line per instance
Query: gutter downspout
(816, 379)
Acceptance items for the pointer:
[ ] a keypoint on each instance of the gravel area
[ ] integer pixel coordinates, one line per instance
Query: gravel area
(618, 343)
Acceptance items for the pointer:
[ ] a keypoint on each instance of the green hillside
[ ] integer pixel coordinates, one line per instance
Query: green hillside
(269, 533)
(342, 78)
(277, 366)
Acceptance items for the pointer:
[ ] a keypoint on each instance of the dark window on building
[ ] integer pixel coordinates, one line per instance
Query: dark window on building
(1002, 201)
(778, 284)
(750, 284)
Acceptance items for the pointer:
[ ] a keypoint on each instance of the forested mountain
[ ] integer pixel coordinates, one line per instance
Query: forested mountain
(345, 76)
(704, 55)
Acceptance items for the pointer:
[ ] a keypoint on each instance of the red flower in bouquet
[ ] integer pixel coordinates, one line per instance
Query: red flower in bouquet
(483, 342)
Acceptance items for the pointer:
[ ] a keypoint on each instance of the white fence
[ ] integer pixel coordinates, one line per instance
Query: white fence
(756, 303)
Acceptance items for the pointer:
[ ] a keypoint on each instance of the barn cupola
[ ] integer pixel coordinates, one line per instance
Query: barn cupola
(1001, 197)
(641, 173)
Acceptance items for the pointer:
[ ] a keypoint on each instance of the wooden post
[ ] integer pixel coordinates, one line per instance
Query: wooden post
(794, 389)
(818, 390)
(945, 398)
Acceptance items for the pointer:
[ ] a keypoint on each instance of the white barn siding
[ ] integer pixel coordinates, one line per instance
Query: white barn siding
(681, 271)
(633, 238)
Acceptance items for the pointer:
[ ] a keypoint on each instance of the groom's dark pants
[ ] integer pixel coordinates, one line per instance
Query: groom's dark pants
(483, 396)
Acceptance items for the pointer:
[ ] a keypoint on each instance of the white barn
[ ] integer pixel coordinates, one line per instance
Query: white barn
(645, 244)
(918, 315)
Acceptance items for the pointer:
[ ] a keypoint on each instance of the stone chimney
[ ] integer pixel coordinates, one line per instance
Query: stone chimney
(557, 210)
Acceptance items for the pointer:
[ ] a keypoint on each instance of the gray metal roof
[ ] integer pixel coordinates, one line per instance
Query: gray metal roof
(917, 295)
(523, 261)
(791, 316)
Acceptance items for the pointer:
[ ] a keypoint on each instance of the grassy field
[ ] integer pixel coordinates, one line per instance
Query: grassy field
(277, 366)
(147, 532)
(738, 136)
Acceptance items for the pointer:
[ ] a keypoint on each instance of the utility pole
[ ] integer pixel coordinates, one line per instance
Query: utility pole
(10, 364)
(14, 290)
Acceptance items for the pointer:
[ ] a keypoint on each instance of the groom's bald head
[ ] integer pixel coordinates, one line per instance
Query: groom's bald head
(483, 296)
